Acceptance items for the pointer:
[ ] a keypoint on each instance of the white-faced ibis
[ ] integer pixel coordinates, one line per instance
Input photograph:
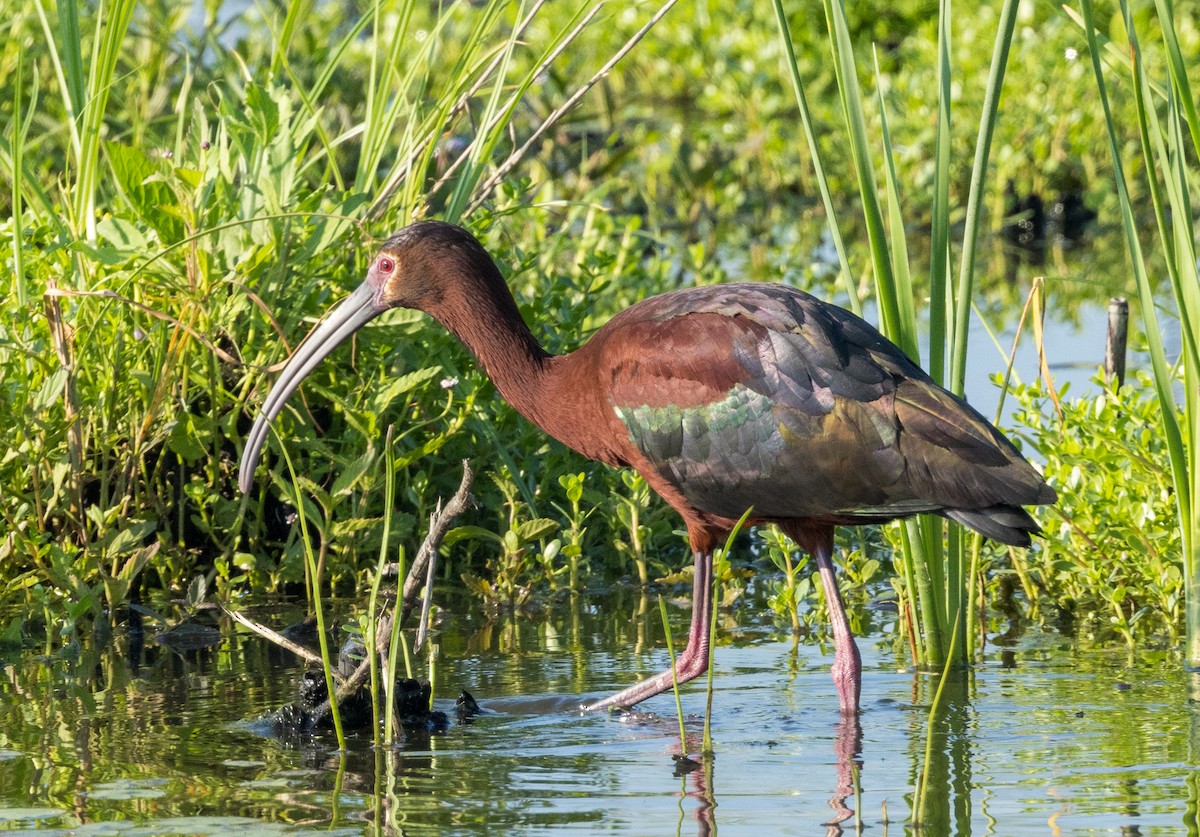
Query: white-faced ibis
(723, 398)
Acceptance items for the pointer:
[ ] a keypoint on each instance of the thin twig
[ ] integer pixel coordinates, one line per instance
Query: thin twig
(433, 541)
(274, 636)
(517, 155)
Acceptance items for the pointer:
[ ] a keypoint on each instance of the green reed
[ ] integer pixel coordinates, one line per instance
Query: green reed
(316, 598)
(1164, 160)
(237, 191)
(936, 573)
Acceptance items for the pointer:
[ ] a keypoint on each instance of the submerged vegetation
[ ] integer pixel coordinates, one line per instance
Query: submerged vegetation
(178, 207)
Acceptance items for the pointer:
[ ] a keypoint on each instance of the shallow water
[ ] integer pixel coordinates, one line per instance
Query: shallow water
(1042, 738)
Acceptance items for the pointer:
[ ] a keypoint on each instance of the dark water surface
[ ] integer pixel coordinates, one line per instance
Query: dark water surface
(1041, 739)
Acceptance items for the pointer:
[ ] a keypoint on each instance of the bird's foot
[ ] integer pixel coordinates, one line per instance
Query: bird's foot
(688, 667)
(692, 662)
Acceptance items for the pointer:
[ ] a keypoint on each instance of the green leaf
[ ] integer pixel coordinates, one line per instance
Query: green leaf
(126, 540)
(351, 474)
(187, 440)
(123, 235)
(197, 590)
(102, 255)
(140, 179)
(536, 529)
(189, 177)
(471, 533)
(50, 391)
(398, 386)
(511, 542)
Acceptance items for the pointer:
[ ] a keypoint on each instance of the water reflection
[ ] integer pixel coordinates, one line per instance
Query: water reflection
(702, 791)
(1041, 733)
(940, 744)
(847, 754)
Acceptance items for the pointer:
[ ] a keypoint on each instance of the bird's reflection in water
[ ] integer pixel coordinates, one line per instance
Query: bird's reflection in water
(847, 753)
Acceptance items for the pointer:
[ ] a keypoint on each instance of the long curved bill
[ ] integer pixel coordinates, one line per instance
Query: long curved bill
(343, 320)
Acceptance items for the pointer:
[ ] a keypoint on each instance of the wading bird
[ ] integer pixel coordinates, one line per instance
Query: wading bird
(723, 398)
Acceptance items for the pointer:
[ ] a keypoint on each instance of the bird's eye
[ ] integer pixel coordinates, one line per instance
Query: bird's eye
(386, 265)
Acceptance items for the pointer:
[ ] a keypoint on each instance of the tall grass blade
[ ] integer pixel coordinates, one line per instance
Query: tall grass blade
(939, 231)
(928, 592)
(383, 71)
(806, 120)
(69, 58)
(923, 557)
(944, 556)
(501, 116)
(897, 239)
(67, 63)
(372, 623)
(482, 145)
(316, 598)
(902, 331)
(893, 291)
(502, 170)
(965, 290)
(109, 37)
(662, 610)
(1182, 466)
(1178, 71)
(1167, 145)
(284, 39)
(18, 167)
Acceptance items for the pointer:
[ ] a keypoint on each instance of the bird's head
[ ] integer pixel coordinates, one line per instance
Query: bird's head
(415, 268)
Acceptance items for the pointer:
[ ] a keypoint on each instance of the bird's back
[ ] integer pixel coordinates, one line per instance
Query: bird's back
(761, 395)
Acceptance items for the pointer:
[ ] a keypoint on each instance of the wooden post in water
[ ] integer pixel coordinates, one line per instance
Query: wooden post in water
(1118, 331)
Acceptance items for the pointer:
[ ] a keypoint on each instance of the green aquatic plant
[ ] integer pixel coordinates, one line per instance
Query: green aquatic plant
(237, 176)
(201, 228)
(1166, 153)
(1108, 566)
(934, 560)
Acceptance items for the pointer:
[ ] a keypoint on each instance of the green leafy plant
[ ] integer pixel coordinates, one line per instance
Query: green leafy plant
(1164, 152)
(200, 231)
(572, 484)
(1109, 563)
(793, 586)
(510, 583)
(183, 205)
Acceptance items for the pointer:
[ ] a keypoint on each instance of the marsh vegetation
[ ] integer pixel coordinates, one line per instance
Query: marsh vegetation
(185, 189)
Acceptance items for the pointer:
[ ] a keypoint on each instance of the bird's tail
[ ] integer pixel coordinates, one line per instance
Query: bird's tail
(1008, 524)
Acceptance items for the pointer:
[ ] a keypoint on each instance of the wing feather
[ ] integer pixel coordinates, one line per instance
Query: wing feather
(762, 395)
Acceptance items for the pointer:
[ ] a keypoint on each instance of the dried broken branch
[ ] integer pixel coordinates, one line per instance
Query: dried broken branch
(439, 524)
(421, 572)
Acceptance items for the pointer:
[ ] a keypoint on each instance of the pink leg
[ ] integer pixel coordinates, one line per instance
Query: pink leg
(693, 661)
(847, 665)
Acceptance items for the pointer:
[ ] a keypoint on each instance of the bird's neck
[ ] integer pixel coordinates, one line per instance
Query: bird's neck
(558, 393)
(482, 313)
